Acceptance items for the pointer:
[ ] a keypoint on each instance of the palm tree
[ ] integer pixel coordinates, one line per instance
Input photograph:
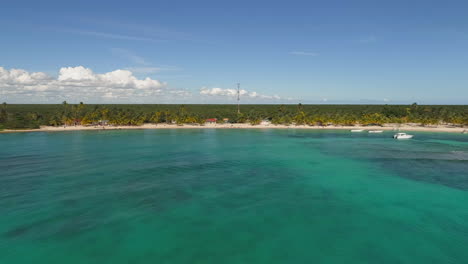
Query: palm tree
(3, 115)
(300, 118)
(156, 117)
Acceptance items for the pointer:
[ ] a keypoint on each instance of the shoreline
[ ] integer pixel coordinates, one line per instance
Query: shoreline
(388, 127)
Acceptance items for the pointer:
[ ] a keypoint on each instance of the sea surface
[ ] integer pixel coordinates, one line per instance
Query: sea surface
(233, 196)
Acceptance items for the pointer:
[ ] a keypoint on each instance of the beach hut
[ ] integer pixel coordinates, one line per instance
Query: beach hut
(211, 120)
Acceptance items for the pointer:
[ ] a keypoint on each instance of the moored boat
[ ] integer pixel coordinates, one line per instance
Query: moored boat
(357, 130)
(375, 131)
(402, 136)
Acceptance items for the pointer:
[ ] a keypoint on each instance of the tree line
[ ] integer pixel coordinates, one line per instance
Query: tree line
(23, 116)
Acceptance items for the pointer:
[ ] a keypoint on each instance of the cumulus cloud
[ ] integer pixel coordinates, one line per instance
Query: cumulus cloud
(75, 84)
(233, 93)
(79, 82)
(22, 77)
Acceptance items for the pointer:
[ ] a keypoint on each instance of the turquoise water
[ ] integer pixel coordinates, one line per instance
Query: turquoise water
(233, 196)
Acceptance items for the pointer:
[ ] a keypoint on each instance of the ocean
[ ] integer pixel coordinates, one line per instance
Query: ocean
(233, 196)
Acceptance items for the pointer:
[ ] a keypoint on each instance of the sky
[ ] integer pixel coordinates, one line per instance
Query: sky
(320, 52)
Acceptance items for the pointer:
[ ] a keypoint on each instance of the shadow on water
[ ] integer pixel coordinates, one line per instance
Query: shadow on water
(165, 185)
(430, 157)
(59, 226)
(152, 185)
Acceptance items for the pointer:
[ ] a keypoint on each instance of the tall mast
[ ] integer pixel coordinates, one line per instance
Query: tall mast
(238, 98)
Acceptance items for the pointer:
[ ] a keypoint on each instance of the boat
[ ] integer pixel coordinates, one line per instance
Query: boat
(402, 136)
(357, 130)
(375, 131)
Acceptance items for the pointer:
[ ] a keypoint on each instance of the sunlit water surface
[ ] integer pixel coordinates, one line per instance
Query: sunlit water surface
(233, 196)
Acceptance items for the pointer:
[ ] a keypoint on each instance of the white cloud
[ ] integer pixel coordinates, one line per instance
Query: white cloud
(118, 79)
(75, 84)
(17, 76)
(220, 92)
(78, 74)
(79, 83)
(304, 53)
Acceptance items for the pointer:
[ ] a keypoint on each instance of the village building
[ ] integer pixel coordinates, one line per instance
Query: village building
(211, 120)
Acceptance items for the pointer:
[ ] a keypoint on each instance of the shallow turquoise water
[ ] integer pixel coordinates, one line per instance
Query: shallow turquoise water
(233, 196)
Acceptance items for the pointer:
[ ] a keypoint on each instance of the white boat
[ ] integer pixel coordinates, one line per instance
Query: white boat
(357, 130)
(375, 131)
(402, 136)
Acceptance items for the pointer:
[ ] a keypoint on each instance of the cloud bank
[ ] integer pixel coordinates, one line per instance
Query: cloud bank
(220, 92)
(75, 84)
(78, 82)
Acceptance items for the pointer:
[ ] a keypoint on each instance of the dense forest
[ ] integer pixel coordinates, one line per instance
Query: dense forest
(22, 116)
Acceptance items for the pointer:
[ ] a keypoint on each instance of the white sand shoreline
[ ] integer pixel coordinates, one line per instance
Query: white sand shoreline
(387, 127)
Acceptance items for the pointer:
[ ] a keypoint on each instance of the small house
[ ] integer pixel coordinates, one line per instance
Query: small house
(211, 120)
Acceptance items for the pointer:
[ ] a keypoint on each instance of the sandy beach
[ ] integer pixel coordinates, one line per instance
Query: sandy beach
(387, 127)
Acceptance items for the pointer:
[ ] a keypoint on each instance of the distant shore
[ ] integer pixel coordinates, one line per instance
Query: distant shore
(387, 127)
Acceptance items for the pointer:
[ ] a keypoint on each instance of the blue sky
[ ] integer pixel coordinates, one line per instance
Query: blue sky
(196, 51)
